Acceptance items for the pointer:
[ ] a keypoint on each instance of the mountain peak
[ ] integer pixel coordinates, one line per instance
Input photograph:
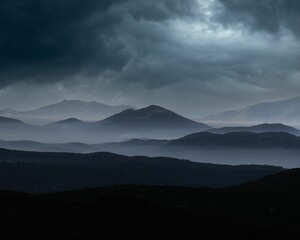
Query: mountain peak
(155, 108)
(284, 111)
(153, 115)
(70, 120)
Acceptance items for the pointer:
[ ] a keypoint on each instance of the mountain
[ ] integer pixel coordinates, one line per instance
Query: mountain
(75, 147)
(68, 109)
(285, 111)
(265, 209)
(48, 172)
(261, 128)
(151, 122)
(279, 149)
(68, 123)
(10, 122)
(273, 148)
(239, 140)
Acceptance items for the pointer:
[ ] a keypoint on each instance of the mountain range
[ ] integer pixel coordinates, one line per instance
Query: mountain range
(260, 128)
(284, 111)
(149, 122)
(89, 111)
(273, 148)
(48, 172)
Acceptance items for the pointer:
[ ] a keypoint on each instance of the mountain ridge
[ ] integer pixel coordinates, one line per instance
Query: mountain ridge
(68, 109)
(282, 111)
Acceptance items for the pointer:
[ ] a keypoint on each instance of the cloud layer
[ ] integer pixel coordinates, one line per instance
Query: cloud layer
(197, 55)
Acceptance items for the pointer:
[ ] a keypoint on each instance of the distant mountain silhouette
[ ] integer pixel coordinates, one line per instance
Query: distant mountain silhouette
(152, 122)
(280, 149)
(68, 123)
(48, 147)
(152, 116)
(239, 139)
(273, 148)
(285, 111)
(261, 128)
(10, 122)
(69, 109)
(47, 172)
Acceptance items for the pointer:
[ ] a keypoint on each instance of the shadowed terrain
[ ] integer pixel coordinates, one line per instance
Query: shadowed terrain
(50, 172)
(265, 209)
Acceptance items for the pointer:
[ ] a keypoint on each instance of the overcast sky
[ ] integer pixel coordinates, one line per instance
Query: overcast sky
(198, 55)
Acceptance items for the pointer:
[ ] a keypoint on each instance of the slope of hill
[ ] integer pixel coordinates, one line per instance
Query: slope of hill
(68, 123)
(239, 139)
(261, 128)
(26, 145)
(280, 149)
(285, 111)
(261, 210)
(152, 116)
(48, 172)
(10, 122)
(68, 109)
(151, 122)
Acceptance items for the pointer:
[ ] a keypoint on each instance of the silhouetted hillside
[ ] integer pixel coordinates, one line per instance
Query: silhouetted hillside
(153, 117)
(150, 122)
(261, 128)
(265, 209)
(68, 109)
(279, 149)
(47, 172)
(10, 122)
(239, 139)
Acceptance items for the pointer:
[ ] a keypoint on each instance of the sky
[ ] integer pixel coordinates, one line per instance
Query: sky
(194, 56)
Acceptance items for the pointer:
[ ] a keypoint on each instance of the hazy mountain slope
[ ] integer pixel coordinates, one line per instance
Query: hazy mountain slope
(239, 140)
(261, 128)
(151, 122)
(280, 149)
(68, 109)
(285, 111)
(262, 210)
(47, 172)
(10, 122)
(48, 147)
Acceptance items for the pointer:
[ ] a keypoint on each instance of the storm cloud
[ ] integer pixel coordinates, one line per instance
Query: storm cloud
(199, 54)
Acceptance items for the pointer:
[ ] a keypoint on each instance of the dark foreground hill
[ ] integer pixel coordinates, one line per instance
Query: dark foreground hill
(266, 209)
(50, 172)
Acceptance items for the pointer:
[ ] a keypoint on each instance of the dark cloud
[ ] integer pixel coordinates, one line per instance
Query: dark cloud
(161, 10)
(176, 52)
(269, 15)
(53, 39)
